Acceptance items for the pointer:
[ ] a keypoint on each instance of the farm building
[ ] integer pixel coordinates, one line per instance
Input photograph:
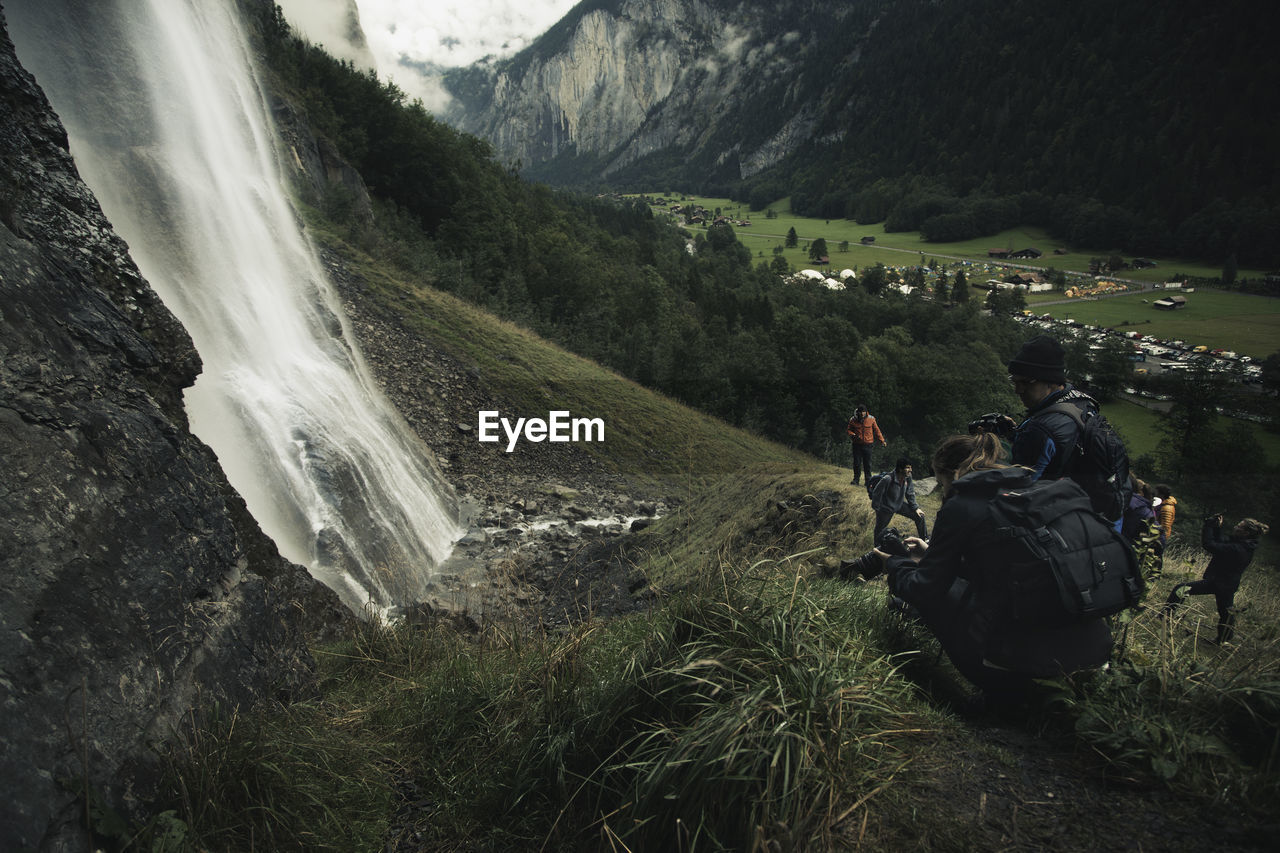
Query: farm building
(1169, 303)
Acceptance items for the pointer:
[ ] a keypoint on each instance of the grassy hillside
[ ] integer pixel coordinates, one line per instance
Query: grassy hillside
(756, 703)
(649, 438)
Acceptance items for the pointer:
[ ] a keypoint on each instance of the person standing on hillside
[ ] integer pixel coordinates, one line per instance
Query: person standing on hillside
(1230, 557)
(1166, 509)
(896, 495)
(863, 434)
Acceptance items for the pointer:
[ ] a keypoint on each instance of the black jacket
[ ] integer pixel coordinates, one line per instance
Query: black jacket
(1230, 557)
(951, 562)
(1045, 441)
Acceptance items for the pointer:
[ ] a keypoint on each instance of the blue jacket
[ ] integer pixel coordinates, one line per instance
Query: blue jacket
(1137, 518)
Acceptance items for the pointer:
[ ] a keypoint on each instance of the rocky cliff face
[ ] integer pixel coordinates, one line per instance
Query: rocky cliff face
(730, 88)
(138, 590)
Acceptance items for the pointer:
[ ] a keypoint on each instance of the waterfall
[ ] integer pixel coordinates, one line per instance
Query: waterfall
(170, 128)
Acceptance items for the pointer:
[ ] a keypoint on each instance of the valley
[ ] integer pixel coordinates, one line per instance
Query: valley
(844, 239)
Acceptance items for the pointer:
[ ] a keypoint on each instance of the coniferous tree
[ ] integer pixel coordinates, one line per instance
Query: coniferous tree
(874, 279)
(940, 289)
(1189, 422)
(960, 288)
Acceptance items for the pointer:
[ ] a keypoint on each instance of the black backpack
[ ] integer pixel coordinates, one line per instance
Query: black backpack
(1048, 560)
(1099, 462)
(874, 480)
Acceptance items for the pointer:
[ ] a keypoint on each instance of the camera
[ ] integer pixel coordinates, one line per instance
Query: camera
(868, 565)
(993, 422)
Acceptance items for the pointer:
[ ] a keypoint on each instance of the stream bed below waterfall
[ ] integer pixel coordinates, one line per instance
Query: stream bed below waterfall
(535, 563)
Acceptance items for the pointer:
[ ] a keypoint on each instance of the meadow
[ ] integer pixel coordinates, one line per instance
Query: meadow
(1140, 428)
(906, 247)
(1247, 324)
(1241, 322)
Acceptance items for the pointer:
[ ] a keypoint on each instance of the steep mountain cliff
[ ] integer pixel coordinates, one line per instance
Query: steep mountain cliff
(138, 590)
(1111, 123)
(727, 88)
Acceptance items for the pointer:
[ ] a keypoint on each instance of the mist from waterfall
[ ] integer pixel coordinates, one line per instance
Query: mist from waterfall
(170, 128)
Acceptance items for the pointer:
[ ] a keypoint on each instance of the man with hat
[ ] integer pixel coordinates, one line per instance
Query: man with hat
(1045, 439)
(1055, 425)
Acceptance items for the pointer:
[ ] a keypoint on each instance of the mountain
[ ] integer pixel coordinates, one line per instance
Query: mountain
(727, 87)
(1114, 123)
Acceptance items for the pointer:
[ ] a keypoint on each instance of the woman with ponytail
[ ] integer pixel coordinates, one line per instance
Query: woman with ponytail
(947, 582)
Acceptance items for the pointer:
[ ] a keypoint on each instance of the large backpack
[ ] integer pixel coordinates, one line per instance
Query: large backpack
(1099, 462)
(1048, 560)
(874, 480)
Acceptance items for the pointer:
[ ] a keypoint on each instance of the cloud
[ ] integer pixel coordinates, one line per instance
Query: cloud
(451, 33)
(328, 23)
(410, 41)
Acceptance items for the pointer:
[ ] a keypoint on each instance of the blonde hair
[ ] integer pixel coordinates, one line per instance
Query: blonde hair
(964, 454)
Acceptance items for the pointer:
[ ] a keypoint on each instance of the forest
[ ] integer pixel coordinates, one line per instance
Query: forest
(687, 314)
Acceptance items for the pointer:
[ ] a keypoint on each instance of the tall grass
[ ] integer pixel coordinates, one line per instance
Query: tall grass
(759, 707)
(1202, 718)
(752, 709)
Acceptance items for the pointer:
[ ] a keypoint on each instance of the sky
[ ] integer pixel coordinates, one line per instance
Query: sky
(444, 33)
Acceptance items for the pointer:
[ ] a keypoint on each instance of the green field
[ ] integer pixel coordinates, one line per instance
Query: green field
(1139, 427)
(906, 247)
(1249, 325)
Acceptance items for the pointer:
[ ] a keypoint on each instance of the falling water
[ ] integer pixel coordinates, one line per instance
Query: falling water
(170, 128)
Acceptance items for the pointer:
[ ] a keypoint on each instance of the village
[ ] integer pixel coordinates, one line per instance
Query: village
(1000, 272)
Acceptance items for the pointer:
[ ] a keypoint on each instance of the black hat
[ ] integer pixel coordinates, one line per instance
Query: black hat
(1041, 358)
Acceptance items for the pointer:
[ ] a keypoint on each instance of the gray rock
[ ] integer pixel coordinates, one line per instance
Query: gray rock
(139, 592)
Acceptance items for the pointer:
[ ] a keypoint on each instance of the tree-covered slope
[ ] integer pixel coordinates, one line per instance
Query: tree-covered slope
(692, 318)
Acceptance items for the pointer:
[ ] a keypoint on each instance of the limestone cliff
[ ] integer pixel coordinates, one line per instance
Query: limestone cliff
(138, 590)
(718, 87)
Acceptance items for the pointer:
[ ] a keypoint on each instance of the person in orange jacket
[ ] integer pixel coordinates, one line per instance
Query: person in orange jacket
(1166, 509)
(864, 432)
